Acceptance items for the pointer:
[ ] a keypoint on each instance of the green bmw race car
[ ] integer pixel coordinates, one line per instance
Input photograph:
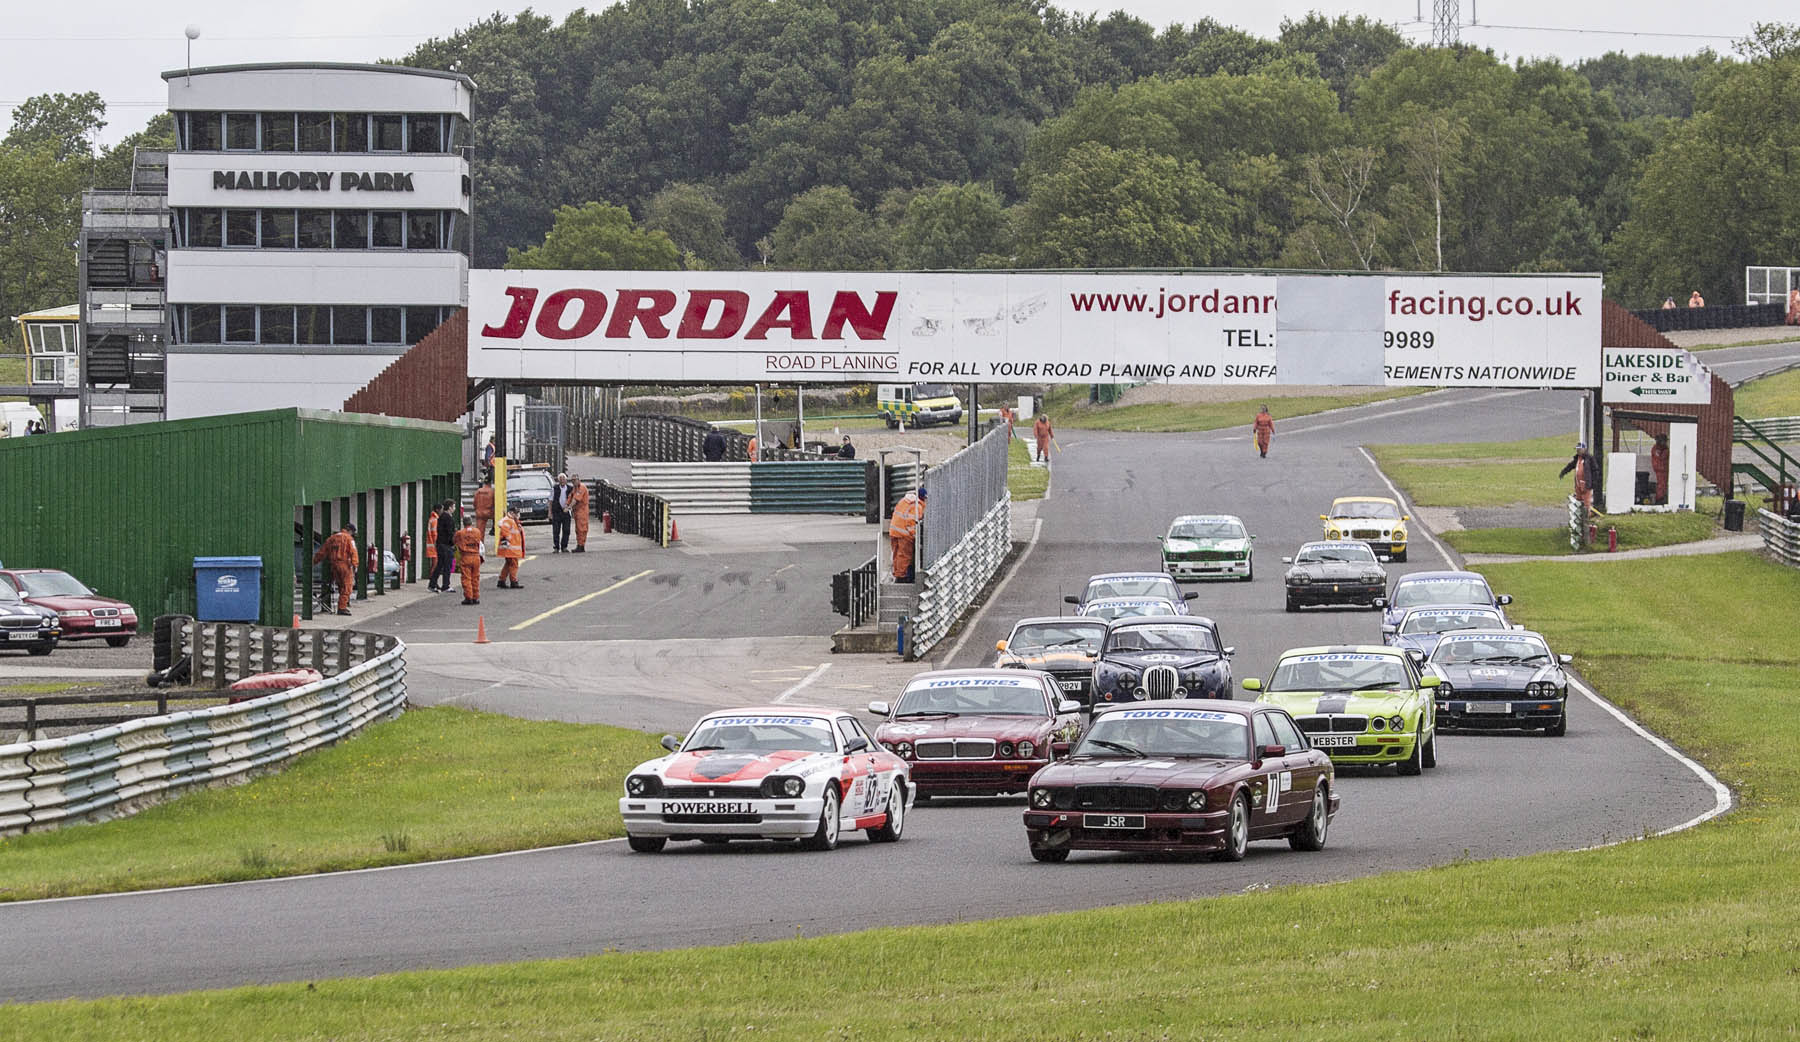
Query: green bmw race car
(1359, 704)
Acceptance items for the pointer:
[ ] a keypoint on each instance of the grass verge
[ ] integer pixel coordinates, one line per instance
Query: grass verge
(1480, 473)
(1067, 407)
(1024, 480)
(1689, 936)
(1777, 395)
(451, 782)
(1636, 532)
(1781, 338)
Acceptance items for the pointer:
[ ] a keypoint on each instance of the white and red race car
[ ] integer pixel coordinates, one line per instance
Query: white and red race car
(772, 772)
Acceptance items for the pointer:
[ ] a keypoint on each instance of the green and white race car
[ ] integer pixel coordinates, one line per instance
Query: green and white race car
(1208, 546)
(1359, 704)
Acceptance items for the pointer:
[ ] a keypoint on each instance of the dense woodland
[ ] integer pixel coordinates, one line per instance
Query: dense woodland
(873, 134)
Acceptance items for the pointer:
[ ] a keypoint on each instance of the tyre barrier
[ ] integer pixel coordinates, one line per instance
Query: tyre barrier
(1781, 537)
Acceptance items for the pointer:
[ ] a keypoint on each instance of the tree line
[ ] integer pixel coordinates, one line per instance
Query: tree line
(928, 134)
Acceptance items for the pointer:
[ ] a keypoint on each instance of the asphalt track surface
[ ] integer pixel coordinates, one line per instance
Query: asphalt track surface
(1492, 795)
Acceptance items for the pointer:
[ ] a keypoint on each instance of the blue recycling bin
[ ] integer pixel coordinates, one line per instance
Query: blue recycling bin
(228, 589)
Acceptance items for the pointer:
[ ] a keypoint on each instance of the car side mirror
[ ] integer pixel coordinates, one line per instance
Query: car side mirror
(1565, 659)
(878, 708)
(1505, 598)
(671, 743)
(1252, 684)
(1068, 705)
(1059, 750)
(1190, 596)
(1230, 651)
(1269, 752)
(1287, 560)
(1406, 517)
(999, 645)
(1430, 681)
(1388, 631)
(1322, 517)
(1162, 538)
(1379, 602)
(855, 745)
(1071, 599)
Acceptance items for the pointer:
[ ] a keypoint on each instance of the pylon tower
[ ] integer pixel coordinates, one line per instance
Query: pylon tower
(1446, 23)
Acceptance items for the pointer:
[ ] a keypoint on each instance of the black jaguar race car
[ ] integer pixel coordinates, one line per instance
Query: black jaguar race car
(1500, 679)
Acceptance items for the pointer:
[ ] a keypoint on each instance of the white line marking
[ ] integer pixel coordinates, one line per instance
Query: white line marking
(1721, 792)
(1375, 407)
(583, 599)
(1037, 527)
(1439, 547)
(805, 682)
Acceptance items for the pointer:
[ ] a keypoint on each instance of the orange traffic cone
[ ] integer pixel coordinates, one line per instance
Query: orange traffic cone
(296, 624)
(481, 630)
(674, 532)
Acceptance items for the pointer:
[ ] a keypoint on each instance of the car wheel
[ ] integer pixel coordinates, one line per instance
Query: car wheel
(1400, 557)
(1250, 569)
(826, 837)
(1414, 765)
(1292, 605)
(1430, 757)
(118, 642)
(1561, 727)
(889, 831)
(1311, 833)
(42, 649)
(647, 844)
(1237, 831)
(892, 423)
(1049, 855)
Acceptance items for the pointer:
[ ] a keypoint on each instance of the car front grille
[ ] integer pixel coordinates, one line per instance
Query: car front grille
(1207, 555)
(712, 792)
(1326, 724)
(713, 819)
(1115, 797)
(1160, 682)
(958, 749)
(20, 622)
(106, 613)
(1366, 533)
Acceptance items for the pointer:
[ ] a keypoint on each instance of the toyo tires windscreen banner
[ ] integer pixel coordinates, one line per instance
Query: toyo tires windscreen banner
(1036, 327)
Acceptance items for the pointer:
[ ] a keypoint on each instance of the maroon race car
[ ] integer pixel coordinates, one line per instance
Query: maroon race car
(1183, 775)
(85, 614)
(977, 732)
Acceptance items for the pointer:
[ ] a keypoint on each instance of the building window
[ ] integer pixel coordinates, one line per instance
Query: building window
(384, 326)
(278, 132)
(315, 131)
(387, 229)
(352, 229)
(205, 228)
(278, 324)
(203, 324)
(420, 321)
(240, 324)
(203, 132)
(349, 325)
(422, 230)
(351, 132)
(240, 227)
(459, 133)
(390, 134)
(312, 325)
(424, 133)
(240, 132)
(278, 229)
(315, 229)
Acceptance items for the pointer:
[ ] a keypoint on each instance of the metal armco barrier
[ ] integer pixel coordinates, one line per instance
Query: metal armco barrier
(1781, 537)
(633, 512)
(853, 592)
(1774, 428)
(821, 487)
(960, 574)
(667, 439)
(120, 770)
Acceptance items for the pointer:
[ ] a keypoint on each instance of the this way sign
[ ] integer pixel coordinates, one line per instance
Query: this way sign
(1655, 376)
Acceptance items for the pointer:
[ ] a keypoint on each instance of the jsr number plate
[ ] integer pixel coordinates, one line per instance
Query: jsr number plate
(1112, 821)
(1333, 741)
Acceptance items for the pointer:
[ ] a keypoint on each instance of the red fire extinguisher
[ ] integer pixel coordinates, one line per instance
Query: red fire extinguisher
(605, 520)
(405, 549)
(1612, 539)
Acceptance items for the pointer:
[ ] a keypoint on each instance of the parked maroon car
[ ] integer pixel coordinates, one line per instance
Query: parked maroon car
(977, 732)
(85, 614)
(1183, 775)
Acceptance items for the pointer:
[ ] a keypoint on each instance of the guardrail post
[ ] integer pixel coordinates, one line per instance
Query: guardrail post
(218, 655)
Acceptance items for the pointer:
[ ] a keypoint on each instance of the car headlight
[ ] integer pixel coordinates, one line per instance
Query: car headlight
(1374, 577)
(784, 785)
(1005, 749)
(643, 785)
(1196, 800)
(1396, 723)
(901, 749)
(1398, 535)
(73, 613)
(1332, 533)
(1378, 723)
(1299, 580)
(1040, 798)
(1026, 749)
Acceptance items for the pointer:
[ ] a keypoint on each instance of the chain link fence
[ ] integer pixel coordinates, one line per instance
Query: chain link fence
(962, 492)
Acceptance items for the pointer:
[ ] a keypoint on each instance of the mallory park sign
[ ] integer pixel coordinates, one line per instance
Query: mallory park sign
(1036, 327)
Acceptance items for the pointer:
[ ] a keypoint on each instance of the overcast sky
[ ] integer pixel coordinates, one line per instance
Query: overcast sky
(118, 47)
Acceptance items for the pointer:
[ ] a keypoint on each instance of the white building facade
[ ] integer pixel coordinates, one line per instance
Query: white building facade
(320, 224)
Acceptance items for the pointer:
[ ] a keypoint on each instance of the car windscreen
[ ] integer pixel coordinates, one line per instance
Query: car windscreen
(933, 391)
(1207, 530)
(1132, 733)
(1145, 586)
(1442, 591)
(973, 696)
(1152, 637)
(1366, 508)
(1347, 552)
(1443, 620)
(1126, 609)
(1072, 635)
(762, 734)
(53, 584)
(530, 481)
(8, 595)
(1491, 651)
(1346, 672)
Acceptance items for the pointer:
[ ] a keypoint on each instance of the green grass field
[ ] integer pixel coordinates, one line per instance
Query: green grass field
(1772, 338)
(1477, 474)
(1636, 532)
(1777, 395)
(1024, 480)
(1067, 407)
(435, 783)
(1691, 936)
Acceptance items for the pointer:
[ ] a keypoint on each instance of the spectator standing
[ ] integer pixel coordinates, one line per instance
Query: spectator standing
(751, 450)
(511, 548)
(339, 555)
(468, 560)
(559, 515)
(578, 509)
(446, 547)
(712, 450)
(1695, 300)
(1587, 474)
(1659, 466)
(487, 464)
(1668, 304)
(1793, 310)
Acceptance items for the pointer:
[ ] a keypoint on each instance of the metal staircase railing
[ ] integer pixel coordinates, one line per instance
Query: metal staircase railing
(1764, 447)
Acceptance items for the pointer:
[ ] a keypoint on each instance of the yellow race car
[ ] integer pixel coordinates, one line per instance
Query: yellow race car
(1375, 520)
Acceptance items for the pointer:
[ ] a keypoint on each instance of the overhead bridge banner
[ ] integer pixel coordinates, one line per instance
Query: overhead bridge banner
(1036, 327)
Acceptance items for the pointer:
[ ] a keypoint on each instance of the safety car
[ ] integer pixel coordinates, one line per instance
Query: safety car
(1501, 678)
(1360, 704)
(977, 732)
(1208, 546)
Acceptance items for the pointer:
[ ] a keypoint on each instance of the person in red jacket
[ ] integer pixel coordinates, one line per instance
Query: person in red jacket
(1040, 430)
(1659, 465)
(578, 507)
(468, 560)
(903, 530)
(511, 547)
(339, 554)
(1264, 428)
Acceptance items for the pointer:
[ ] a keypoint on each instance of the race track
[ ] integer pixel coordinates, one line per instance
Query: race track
(1491, 796)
